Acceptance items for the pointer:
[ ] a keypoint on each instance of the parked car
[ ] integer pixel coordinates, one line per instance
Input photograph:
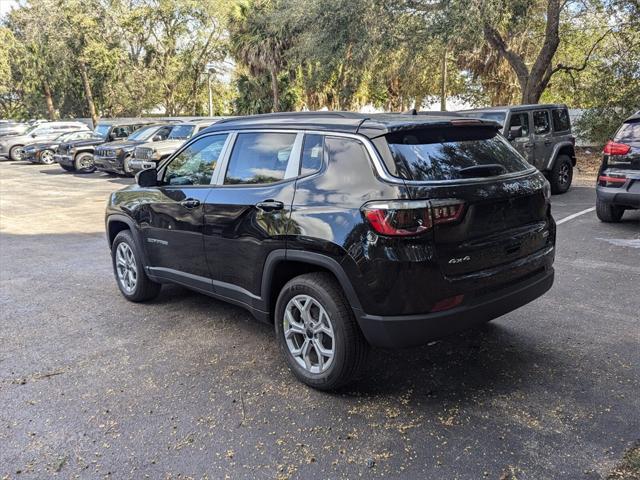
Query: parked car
(43, 152)
(542, 135)
(618, 187)
(149, 154)
(77, 155)
(342, 229)
(13, 128)
(11, 146)
(115, 157)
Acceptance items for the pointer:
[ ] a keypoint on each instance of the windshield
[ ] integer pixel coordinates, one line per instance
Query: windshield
(181, 132)
(448, 153)
(30, 129)
(102, 130)
(144, 133)
(494, 116)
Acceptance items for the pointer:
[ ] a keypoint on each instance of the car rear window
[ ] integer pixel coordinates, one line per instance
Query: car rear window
(628, 133)
(441, 153)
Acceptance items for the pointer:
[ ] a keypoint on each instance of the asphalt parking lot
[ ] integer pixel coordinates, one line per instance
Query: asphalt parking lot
(92, 386)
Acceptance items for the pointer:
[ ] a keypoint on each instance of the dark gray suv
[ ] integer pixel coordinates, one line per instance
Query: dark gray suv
(542, 135)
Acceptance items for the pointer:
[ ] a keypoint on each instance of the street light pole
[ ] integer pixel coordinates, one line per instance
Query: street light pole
(210, 68)
(210, 95)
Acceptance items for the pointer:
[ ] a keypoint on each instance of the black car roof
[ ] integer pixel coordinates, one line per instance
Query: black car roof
(370, 125)
(505, 108)
(633, 118)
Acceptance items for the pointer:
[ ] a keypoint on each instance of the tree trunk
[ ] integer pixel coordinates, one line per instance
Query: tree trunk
(275, 92)
(46, 88)
(532, 81)
(443, 83)
(87, 93)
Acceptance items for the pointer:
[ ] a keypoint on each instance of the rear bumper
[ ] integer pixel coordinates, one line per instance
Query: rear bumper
(626, 195)
(412, 330)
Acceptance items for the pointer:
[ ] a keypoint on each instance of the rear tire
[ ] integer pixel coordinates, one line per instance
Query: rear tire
(561, 175)
(83, 163)
(608, 213)
(131, 278)
(327, 312)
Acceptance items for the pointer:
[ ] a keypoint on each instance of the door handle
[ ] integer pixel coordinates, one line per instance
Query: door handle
(190, 203)
(548, 142)
(528, 145)
(270, 205)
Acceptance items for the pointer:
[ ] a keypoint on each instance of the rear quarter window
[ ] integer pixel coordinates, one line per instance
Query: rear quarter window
(561, 122)
(440, 154)
(628, 133)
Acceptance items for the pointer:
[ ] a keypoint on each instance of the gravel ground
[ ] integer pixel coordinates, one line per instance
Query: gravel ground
(92, 386)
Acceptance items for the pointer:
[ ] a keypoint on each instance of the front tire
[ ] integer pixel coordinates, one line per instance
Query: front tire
(608, 212)
(15, 153)
(317, 332)
(561, 174)
(131, 278)
(46, 157)
(83, 163)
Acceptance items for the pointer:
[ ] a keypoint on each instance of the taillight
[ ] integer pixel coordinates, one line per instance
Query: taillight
(613, 148)
(403, 218)
(609, 181)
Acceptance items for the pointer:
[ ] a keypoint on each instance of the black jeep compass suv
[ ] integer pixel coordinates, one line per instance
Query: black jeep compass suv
(342, 229)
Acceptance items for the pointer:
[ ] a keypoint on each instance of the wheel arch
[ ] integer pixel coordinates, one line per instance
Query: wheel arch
(562, 148)
(283, 265)
(116, 223)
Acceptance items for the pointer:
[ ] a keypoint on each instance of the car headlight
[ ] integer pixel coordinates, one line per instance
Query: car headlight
(546, 189)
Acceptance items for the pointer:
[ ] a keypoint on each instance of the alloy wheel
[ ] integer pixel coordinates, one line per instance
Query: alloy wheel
(126, 267)
(309, 334)
(47, 157)
(563, 174)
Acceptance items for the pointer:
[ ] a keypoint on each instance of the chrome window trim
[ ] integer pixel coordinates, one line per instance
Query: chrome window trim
(378, 163)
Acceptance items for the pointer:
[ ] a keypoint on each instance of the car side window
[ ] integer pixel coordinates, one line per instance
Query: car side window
(163, 133)
(541, 124)
(520, 120)
(312, 151)
(561, 122)
(196, 163)
(259, 158)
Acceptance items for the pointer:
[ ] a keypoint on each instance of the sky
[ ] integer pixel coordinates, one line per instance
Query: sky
(5, 7)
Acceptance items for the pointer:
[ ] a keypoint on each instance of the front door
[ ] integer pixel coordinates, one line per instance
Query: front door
(174, 222)
(247, 215)
(523, 144)
(542, 138)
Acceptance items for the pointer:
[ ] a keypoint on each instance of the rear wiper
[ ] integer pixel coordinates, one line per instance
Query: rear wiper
(490, 170)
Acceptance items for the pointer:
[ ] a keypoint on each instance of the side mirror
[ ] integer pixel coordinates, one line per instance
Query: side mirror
(147, 178)
(514, 132)
(156, 138)
(34, 135)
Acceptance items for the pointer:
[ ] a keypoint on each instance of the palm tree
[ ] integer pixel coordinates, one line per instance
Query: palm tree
(257, 44)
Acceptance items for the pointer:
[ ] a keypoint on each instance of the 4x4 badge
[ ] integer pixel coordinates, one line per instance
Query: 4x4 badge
(460, 259)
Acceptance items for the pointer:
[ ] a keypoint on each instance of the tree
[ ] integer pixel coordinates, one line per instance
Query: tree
(256, 44)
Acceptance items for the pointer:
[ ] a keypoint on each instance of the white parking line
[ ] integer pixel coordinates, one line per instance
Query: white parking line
(575, 215)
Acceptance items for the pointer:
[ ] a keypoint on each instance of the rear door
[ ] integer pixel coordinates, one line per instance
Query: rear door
(247, 213)
(504, 206)
(172, 224)
(542, 138)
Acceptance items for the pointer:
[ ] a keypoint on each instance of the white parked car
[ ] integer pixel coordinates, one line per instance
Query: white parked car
(11, 146)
